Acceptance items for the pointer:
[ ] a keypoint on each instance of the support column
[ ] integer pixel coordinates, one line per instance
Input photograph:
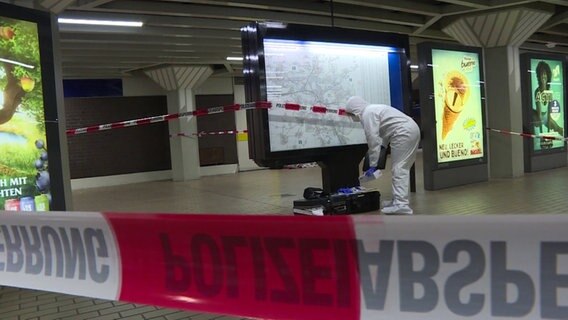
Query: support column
(501, 33)
(504, 110)
(245, 163)
(181, 82)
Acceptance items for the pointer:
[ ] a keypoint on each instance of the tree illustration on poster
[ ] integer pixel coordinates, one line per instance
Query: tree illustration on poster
(24, 177)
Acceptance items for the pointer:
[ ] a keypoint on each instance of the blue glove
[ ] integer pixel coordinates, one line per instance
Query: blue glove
(345, 191)
(370, 171)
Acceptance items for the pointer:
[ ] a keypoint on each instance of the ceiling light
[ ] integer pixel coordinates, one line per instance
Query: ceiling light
(235, 58)
(413, 66)
(101, 22)
(17, 63)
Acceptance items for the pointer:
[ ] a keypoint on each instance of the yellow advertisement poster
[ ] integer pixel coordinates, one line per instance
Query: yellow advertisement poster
(459, 116)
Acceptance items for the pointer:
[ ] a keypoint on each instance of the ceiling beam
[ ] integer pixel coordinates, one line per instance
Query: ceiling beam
(155, 31)
(137, 54)
(55, 6)
(77, 74)
(145, 39)
(557, 2)
(92, 4)
(546, 38)
(434, 34)
(542, 48)
(88, 46)
(556, 30)
(143, 60)
(317, 8)
(427, 25)
(478, 4)
(99, 66)
(206, 31)
(417, 7)
(495, 5)
(229, 67)
(245, 15)
(556, 20)
(157, 20)
(33, 4)
(61, 5)
(48, 3)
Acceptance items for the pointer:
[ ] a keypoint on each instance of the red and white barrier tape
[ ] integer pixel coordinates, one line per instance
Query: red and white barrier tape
(202, 112)
(168, 117)
(297, 268)
(208, 133)
(528, 135)
(314, 109)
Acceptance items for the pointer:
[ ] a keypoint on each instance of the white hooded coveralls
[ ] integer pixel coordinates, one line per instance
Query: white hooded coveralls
(384, 124)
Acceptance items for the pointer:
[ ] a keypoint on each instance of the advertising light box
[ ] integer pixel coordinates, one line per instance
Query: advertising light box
(31, 174)
(24, 175)
(452, 106)
(547, 86)
(458, 107)
(543, 86)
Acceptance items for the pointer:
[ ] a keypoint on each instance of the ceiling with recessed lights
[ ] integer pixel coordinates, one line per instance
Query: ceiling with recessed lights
(206, 32)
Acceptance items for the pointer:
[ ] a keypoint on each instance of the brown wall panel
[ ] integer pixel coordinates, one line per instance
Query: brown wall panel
(119, 151)
(216, 149)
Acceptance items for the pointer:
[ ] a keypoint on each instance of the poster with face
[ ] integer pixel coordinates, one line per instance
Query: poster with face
(547, 87)
(458, 104)
(24, 170)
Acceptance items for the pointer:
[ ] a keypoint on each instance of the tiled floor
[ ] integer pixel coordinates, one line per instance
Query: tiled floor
(268, 192)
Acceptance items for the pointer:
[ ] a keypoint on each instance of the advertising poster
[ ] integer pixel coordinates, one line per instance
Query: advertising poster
(24, 175)
(547, 101)
(459, 116)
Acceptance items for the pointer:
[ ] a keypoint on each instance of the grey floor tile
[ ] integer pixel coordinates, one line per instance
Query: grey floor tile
(40, 314)
(82, 316)
(116, 309)
(112, 316)
(58, 315)
(179, 316)
(100, 306)
(158, 313)
(138, 310)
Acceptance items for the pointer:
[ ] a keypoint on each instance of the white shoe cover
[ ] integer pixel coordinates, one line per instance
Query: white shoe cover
(386, 203)
(401, 210)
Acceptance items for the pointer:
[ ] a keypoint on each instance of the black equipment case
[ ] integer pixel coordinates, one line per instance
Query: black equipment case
(339, 204)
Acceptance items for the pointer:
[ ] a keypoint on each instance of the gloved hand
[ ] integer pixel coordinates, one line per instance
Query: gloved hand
(370, 171)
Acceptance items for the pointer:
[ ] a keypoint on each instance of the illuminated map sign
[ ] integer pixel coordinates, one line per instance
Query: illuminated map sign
(320, 73)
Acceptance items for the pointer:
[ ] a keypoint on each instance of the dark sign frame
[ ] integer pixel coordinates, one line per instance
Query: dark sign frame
(253, 36)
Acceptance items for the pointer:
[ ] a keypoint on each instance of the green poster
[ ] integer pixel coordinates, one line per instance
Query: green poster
(24, 176)
(459, 116)
(547, 102)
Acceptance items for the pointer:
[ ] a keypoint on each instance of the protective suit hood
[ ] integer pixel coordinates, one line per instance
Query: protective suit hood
(356, 105)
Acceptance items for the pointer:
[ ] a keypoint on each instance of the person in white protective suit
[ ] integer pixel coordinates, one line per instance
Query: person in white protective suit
(384, 124)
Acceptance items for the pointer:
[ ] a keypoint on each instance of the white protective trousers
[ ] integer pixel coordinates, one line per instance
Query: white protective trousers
(404, 144)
